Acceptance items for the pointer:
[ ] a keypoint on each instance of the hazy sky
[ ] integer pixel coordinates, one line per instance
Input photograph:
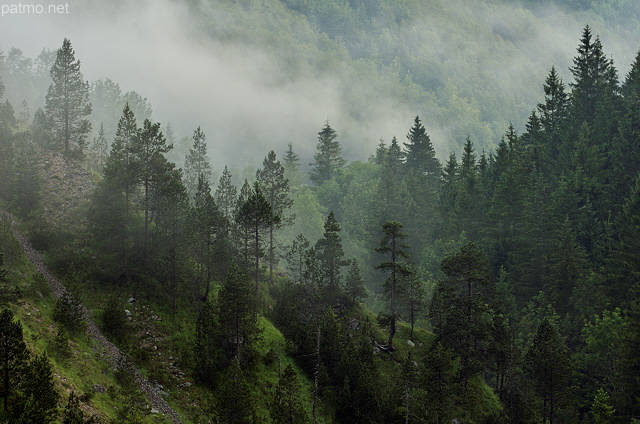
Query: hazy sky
(151, 47)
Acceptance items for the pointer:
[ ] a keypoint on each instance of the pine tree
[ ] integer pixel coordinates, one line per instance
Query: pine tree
(460, 309)
(226, 194)
(255, 216)
(553, 112)
(296, 255)
(412, 294)
(243, 229)
(420, 154)
(206, 350)
(287, 407)
(72, 413)
(389, 187)
(237, 303)
(354, 284)
(196, 163)
(13, 356)
(236, 401)
(67, 102)
(328, 157)
(392, 244)
(100, 150)
(330, 254)
(148, 150)
(275, 188)
(208, 233)
(547, 363)
(291, 163)
(39, 387)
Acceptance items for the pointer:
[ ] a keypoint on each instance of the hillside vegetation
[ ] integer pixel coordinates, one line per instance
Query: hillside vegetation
(500, 285)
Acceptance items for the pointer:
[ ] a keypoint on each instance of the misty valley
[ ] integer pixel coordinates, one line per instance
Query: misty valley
(342, 211)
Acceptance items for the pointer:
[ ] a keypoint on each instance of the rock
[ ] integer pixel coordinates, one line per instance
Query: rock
(163, 393)
(187, 384)
(127, 313)
(410, 343)
(353, 324)
(131, 300)
(154, 411)
(99, 388)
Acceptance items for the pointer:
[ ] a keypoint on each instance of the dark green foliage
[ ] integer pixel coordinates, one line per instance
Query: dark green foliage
(67, 103)
(196, 164)
(38, 387)
(287, 406)
(328, 157)
(236, 401)
(206, 349)
(254, 216)
(69, 312)
(275, 188)
(461, 311)
(547, 364)
(9, 291)
(296, 255)
(354, 284)
(114, 320)
(72, 413)
(13, 358)
(237, 316)
(330, 255)
(226, 194)
(209, 240)
(420, 155)
(392, 244)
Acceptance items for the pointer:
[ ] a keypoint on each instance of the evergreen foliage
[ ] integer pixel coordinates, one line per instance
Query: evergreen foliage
(327, 160)
(67, 103)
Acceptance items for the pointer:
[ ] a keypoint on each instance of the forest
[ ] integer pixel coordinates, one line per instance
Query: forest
(497, 281)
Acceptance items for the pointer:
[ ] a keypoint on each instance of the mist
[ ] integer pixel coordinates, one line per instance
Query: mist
(247, 99)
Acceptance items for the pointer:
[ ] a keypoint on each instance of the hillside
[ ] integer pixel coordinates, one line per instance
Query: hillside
(471, 269)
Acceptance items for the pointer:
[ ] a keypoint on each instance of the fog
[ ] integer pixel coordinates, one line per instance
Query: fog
(246, 101)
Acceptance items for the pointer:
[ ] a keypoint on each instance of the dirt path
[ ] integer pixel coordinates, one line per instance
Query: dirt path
(114, 355)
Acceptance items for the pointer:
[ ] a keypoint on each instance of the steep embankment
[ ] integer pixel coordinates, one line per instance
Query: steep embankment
(112, 353)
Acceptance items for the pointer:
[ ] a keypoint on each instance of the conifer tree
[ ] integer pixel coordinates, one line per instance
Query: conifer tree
(237, 302)
(296, 256)
(547, 364)
(38, 387)
(327, 160)
(226, 194)
(354, 284)
(196, 163)
(100, 150)
(287, 407)
(275, 188)
(291, 163)
(236, 401)
(243, 229)
(460, 309)
(13, 356)
(553, 112)
(148, 150)
(206, 349)
(255, 216)
(420, 155)
(67, 102)
(208, 231)
(393, 245)
(330, 255)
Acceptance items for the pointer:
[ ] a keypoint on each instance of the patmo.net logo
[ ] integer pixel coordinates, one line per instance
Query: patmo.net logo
(34, 9)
